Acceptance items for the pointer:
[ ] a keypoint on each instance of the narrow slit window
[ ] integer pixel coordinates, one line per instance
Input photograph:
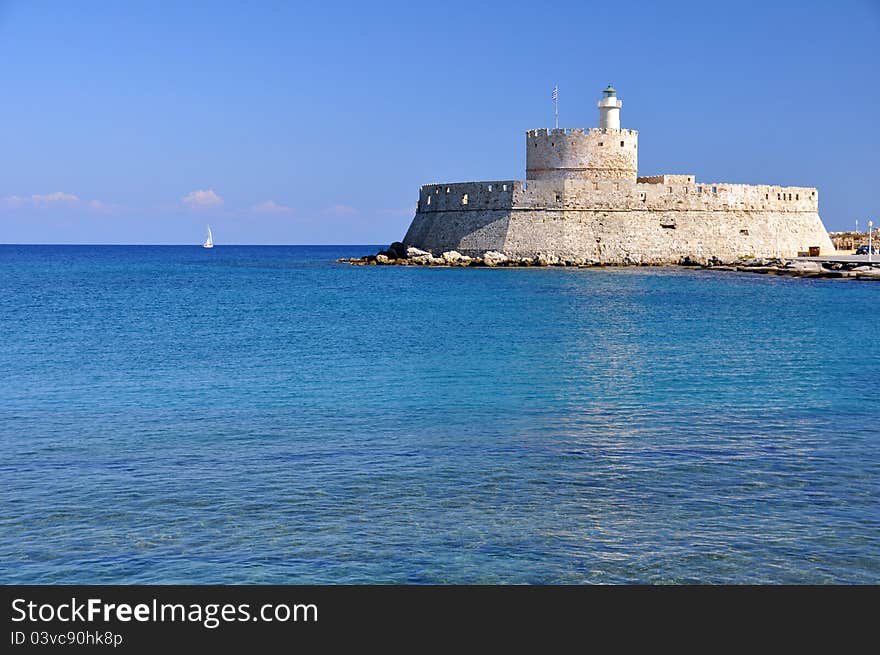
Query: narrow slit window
(464, 199)
(429, 200)
(621, 144)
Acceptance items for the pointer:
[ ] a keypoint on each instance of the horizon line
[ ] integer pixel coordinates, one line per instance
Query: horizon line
(197, 245)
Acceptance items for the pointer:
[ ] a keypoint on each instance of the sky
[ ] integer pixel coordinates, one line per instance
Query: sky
(316, 123)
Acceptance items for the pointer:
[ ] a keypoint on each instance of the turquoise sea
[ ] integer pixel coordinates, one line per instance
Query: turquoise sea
(264, 415)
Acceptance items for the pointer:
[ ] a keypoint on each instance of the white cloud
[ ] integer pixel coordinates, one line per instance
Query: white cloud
(202, 199)
(341, 210)
(54, 198)
(272, 207)
(41, 200)
(14, 202)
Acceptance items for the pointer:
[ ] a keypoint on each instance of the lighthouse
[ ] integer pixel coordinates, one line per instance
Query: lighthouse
(609, 109)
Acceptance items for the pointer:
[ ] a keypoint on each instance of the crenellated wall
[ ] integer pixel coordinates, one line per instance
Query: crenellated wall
(657, 193)
(661, 219)
(595, 154)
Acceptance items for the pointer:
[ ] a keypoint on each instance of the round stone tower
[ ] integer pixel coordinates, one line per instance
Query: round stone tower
(603, 153)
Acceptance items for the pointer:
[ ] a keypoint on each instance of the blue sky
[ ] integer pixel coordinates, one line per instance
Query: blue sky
(140, 122)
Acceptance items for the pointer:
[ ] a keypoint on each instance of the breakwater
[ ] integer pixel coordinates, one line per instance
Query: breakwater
(397, 254)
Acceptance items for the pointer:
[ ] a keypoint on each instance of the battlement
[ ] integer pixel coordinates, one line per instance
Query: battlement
(551, 131)
(466, 196)
(665, 179)
(660, 193)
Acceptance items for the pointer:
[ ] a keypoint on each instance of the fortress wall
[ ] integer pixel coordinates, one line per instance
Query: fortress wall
(469, 232)
(668, 193)
(596, 153)
(650, 237)
(480, 195)
(621, 236)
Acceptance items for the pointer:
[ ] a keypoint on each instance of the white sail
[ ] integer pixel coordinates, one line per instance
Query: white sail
(209, 242)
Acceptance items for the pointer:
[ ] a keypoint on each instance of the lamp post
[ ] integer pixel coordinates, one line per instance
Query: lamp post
(870, 240)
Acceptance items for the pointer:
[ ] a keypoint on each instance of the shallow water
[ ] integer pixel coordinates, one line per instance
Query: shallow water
(263, 415)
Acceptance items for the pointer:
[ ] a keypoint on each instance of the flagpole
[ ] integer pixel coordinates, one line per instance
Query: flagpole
(556, 103)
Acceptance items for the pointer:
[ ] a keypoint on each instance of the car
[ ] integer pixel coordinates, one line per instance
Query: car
(863, 250)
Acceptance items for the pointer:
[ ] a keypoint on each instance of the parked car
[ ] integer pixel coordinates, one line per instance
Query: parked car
(863, 250)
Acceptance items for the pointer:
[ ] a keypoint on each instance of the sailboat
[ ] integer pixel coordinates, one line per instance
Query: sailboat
(209, 242)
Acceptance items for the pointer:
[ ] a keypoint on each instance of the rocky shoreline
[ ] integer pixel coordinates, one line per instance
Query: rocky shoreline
(399, 255)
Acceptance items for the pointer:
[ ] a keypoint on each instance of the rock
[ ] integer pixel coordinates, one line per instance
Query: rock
(452, 256)
(807, 267)
(413, 253)
(494, 258)
(396, 251)
(541, 260)
(382, 259)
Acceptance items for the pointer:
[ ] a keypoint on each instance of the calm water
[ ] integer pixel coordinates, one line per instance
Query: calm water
(263, 415)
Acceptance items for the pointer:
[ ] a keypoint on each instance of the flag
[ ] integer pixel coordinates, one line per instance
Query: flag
(555, 95)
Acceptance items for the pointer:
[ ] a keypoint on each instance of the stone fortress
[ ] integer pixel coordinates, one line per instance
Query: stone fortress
(582, 202)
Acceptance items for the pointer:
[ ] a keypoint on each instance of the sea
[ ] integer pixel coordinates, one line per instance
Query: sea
(266, 415)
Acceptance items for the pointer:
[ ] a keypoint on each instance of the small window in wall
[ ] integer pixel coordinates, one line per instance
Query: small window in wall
(429, 200)
(595, 186)
(600, 143)
(744, 232)
(779, 196)
(766, 196)
(714, 189)
(504, 187)
(690, 179)
(490, 187)
(617, 186)
(464, 199)
(558, 197)
(699, 189)
(670, 189)
(437, 190)
(797, 196)
(621, 144)
(447, 189)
